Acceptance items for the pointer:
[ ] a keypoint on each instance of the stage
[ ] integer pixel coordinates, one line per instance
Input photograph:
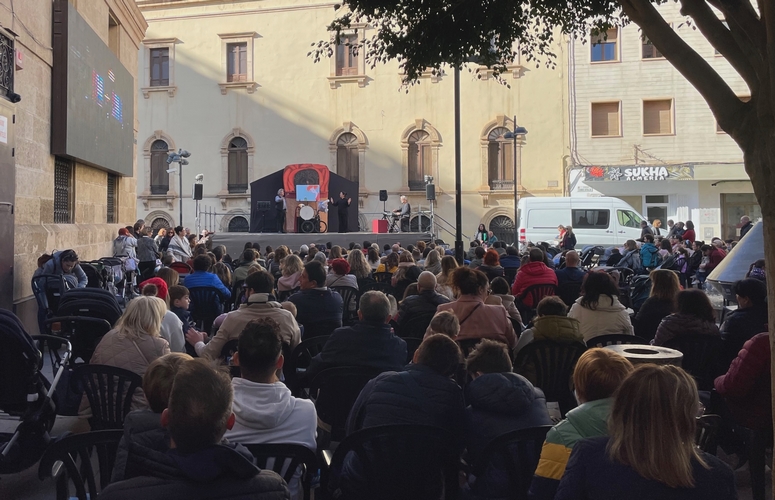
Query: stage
(235, 242)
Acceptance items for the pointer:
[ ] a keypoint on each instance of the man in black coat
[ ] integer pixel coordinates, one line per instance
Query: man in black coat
(745, 225)
(424, 304)
(315, 303)
(197, 466)
(368, 343)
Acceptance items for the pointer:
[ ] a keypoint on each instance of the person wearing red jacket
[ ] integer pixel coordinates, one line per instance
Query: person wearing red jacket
(689, 233)
(715, 256)
(534, 272)
(746, 386)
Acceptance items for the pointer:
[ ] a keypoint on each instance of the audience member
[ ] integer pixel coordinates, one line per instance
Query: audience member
(747, 320)
(570, 274)
(500, 289)
(432, 262)
(264, 410)
(598, 310)
(649, 253)
(291, 269)
(170, 276)
(511, 260)
(315, 302)
(551, 323)
(535, 272)
(650, 452)
(260, 304)
(693, 314)
(202, 277)
(715, 255)
(688, 233)
(422, 304)
(660, 304)
(340, 274)
(359, 266)
(369, 343)
(390, 265)
(407, 273)
(596, 377)
(179, 302)
(443, 280)
(756, 271)
(478, 259)
(171, 328)
(197, 465)
(477, 319)
(373, 259)
(631, 257)
(445, 322)
(491, 265)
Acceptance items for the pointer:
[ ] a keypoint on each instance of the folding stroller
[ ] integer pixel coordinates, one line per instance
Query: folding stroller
(25, 393)
(48, 290)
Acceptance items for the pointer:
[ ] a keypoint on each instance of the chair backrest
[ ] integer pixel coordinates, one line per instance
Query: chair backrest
(206, 305)
(84, 333)
(615, 339)
(398, 461)
(569, 292)
(335, 391)
(109, 391)
(350, 298)
(415, 326)
(299, 360)
(707, 429)
(383, 277)
(549, 365)
(283, 295)
(237, 293)
(516, 454)
(284, 459)
(319, 329)
(379, 286)
(76, 454)
(412, 343)
(364, 282)
(538, 292)
(511, 273)
(467, 345)
(701, 357)
(181, 268)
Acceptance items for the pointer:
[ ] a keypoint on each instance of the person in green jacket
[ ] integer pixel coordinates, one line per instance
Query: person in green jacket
(551, 323)
(597, 375)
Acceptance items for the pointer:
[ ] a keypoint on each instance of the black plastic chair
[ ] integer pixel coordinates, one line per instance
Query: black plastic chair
(350, 298)
(415, 326)
(707, 430)
(536, 293)
(298, 361)
(701, 357)
(282, 296)
(407, 462)
(206, 305)
(319, 329)
(237, 293)
(383, 277)
(412, 343)
(569, 292)
(510, 274)
(109, 391)
(549, 365)
(467, 345)
(71, 460)
(377, 286)
(518, 327)
(514, 454)
(335, 391)
(227, 353)
(615, 339)
(284, 459)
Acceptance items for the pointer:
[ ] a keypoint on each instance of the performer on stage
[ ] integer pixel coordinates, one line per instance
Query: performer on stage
(280, 208)
(405, 213)
(343, 205)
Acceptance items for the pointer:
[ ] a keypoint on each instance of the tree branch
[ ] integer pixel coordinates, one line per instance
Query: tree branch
(722, 101)
(742, 14)
(721, 39)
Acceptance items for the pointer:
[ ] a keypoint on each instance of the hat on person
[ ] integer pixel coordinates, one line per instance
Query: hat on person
(123, 232)
(341, 266)
(161, 286)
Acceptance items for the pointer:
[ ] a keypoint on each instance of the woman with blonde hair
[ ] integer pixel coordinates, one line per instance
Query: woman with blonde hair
(135, 341)
(291, 268)
(170, 276)
(274, 267)
(443, 281)
(390, 265)
(656, 225)
(407, 273)
(335, 253)
(650, 452)
(660, 304)
(224, 273)
(433, 262)
(359, 266)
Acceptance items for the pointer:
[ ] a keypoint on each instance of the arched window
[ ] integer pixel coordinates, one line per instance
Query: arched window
(420, 159)
(159, 223)
(500, 159)
(503, 228)
(347, 156)
(160, 179)
(238, 165)
(239, 224)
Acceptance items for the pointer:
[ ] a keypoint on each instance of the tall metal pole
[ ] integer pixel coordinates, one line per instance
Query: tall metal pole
(516, 187)
(458, 189)
(180, 192)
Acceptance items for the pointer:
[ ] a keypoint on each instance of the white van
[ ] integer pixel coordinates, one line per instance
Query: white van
(596, 221)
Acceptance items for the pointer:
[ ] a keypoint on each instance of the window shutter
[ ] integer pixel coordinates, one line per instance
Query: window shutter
(427, 162)
(493, 160)
(414, 162)
(243, 62)
(354, 164)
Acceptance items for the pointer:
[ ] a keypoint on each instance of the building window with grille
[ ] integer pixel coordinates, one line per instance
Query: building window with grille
(6, 65)
(503, 229)
(420, 159)
(500, 159)
(347, 54)
(63, 191)
(112, 217)
(605, 46)
(238, 165)
(239, 224)
(160, 67)
(347, 162)
(237, 62)
(160, 179)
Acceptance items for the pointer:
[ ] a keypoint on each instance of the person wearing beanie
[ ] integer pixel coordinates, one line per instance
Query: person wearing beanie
(171, 328)
(339, 275)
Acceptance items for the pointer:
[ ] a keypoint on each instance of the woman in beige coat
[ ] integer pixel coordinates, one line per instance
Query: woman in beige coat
(134, 343)
(598, 309)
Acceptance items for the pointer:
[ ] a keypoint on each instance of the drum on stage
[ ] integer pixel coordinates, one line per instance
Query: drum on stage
(307, 213)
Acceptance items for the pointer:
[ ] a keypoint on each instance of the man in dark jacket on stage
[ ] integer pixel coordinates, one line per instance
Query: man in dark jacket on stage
(197, 466)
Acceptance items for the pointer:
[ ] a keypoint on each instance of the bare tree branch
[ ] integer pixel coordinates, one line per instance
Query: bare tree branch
(722, 101)
(740, 13)
(721, 39)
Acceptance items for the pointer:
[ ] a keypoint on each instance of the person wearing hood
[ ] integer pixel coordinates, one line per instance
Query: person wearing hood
(631, 257)
(179, 246)
(597, 375)
(264, 410)
(551, 323)
(598, 310)
(694, 315)
(535, 272)
(65, 263)
(499, 401)
(260, 304)
(649, 253)
(197, 463)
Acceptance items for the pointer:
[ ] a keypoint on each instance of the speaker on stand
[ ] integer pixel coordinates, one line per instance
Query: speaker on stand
(430, 195)
(383, 196)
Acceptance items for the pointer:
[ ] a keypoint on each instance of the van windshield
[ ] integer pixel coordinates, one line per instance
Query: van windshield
(628, 218)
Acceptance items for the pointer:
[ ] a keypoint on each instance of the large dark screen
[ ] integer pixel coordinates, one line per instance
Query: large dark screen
(93, 96)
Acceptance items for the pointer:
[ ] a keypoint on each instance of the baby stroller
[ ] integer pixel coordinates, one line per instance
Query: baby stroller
(25, 393)
(48, 290)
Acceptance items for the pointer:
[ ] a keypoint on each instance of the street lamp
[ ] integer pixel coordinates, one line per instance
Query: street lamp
(180, 159)
(517, 135)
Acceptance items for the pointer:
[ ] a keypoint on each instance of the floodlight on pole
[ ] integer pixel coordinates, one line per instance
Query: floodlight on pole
(180, 159)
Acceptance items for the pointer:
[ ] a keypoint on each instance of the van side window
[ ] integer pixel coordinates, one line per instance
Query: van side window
(590, 218)
(628, 218)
